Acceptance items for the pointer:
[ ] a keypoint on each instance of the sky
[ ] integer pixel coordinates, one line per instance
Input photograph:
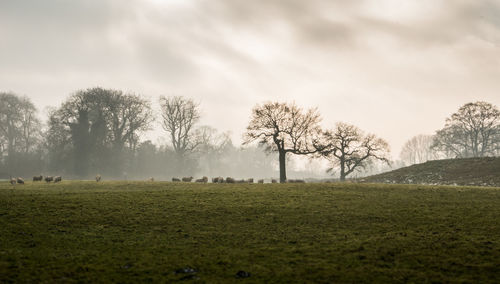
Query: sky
(393, 68)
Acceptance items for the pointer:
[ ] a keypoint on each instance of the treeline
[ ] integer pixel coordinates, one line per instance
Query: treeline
(471, 132)
(98, 131)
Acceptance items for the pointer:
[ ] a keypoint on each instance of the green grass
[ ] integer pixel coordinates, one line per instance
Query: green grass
(144, 232)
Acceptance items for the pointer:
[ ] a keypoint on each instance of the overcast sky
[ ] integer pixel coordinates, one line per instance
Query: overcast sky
(392, 67)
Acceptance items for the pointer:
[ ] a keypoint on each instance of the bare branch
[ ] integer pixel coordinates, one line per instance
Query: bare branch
(473, 131)
(350, 149)
(284, 128)
(179, 117)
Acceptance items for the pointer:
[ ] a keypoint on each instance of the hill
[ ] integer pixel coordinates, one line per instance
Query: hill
(471, 171)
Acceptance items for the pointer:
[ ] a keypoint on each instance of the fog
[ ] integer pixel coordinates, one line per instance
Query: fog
(393, 68)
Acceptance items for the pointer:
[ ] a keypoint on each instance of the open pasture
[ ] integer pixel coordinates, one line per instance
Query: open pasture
(162, 232)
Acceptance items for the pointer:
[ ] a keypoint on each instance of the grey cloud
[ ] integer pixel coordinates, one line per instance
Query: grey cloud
(337, 24)
(61, 13)
(164, 61)
(459, 22)
(322, 53)
(311, 21)
(56, 35)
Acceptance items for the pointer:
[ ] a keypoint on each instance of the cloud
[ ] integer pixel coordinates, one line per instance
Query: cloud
(352, 58)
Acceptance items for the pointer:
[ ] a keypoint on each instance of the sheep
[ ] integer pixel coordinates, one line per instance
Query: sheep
(20, 180)
(295, 181)
(260, 181)
(151, 179)
(230, 180)
(38, 178)
(218, 180)
(175, 180)
(98, 178)
(273, 181)
(250, 180)
(203, 180)
(13, 181)
(49, 179)
(187, 179)
(57, 179)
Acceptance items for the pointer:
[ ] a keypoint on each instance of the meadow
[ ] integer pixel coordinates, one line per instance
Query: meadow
(128, 232)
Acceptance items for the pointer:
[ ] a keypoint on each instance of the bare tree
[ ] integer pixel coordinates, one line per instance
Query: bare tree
(210, 141)
(473, 131)
(284, 128)
(31, 126)
(211, 147)
(19, 125)
(179, 118)
(127, 115)
(418, 150)
(348, 148)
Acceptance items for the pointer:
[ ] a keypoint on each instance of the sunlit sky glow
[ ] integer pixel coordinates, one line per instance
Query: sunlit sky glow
(393, 68)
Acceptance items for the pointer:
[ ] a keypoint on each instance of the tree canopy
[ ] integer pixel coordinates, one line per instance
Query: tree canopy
(94, 125)
(473, 131)
(284, 128)
(350, 149)
(20, 131)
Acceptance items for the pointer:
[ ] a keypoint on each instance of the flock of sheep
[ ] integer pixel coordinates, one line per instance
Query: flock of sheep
(231, 180)
(48, 179)
(204, 179)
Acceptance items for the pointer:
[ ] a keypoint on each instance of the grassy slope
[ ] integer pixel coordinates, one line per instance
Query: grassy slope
(473, 171)
(140, 232)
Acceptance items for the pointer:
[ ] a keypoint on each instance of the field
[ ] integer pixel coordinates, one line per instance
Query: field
(163, 232)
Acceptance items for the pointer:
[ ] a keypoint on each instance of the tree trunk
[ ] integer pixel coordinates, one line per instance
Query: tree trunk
(342, 170)
(282, 158)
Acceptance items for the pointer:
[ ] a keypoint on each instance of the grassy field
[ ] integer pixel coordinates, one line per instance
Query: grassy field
(164, 232)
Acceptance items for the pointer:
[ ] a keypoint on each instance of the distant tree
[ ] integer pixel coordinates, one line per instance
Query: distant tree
(210, 150)
(3, 146)
(97, 123)
(284, 128)
(20, 127)
(250, 161)
(153, 161)
(82, 119)
(127, 116)
(418, 150)
(473, 131)
(58, 144)
(179, 117)
(349, 149)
